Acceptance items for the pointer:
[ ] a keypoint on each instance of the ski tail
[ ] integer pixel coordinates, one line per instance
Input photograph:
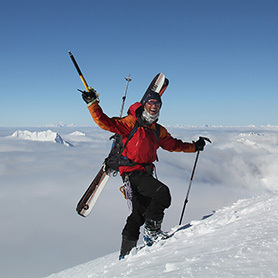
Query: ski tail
(90, 197)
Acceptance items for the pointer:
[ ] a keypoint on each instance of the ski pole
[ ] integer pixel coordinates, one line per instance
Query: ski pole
(79, 71)
(191, 179)
(128, 79)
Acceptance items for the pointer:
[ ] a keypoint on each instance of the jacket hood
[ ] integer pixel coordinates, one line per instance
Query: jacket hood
(135, 110)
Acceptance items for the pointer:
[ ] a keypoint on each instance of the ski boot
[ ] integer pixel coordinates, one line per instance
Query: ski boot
(152, 232)
(126, 246)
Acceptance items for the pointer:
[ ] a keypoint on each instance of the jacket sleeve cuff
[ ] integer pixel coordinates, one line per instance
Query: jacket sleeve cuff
(90, 103)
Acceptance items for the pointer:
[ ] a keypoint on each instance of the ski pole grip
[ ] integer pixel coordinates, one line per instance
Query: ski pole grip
(205, 138)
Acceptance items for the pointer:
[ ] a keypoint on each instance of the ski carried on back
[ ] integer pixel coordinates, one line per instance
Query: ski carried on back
(90, 197)
(159, 84)
(88, 200)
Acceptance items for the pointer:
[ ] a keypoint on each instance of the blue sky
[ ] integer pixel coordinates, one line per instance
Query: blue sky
(220, 57)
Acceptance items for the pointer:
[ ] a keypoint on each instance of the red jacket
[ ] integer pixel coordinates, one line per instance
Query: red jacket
(143, 145)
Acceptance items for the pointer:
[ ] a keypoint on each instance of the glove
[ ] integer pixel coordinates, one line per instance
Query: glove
(200, 144)
(91, 96)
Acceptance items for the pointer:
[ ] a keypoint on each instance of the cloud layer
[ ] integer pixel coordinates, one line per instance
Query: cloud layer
(42, 182)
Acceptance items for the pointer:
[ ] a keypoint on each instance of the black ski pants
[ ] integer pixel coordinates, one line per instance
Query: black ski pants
(150, 198)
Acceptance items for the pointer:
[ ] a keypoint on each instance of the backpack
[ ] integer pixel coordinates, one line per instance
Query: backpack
(115, 158)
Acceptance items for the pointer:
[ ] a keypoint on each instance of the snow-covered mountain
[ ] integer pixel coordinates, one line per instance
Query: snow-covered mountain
(236, 241)
(43, 136)
(77, 133)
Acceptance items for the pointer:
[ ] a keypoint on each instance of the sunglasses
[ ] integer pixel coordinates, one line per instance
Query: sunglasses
(153, 102)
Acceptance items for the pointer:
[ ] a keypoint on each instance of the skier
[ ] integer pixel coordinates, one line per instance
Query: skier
(150, 197)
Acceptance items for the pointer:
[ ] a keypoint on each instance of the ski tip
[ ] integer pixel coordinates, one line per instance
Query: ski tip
(69, 53)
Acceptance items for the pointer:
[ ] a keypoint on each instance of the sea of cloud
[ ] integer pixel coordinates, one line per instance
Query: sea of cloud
(42, 181)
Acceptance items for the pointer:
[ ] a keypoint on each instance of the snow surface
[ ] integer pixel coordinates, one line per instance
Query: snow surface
(77, 133)
(41, 183)
(43, 136)
(236, 241)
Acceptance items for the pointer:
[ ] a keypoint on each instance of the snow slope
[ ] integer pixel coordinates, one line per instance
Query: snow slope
(236, 241)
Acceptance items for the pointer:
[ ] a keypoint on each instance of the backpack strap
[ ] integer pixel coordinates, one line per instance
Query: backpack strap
(137, 124)
(157, 134)
(157, 131)
(131, 134)
(129, 162)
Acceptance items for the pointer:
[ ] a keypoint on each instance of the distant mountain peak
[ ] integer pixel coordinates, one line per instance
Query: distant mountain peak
(43, 136)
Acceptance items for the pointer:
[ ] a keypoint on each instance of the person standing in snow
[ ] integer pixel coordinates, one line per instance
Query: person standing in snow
(150, 197)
